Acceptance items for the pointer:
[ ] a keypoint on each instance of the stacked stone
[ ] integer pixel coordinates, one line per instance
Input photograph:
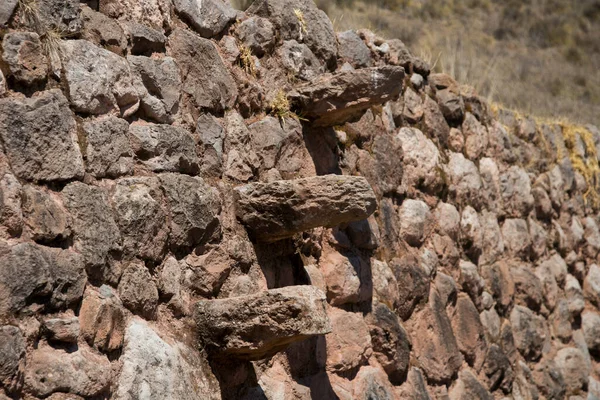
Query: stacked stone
(171, 229)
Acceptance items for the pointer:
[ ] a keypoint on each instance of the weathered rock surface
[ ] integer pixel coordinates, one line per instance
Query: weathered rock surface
(24, 58)
(102, 319)
(205, 79)
(353, 50)
(207, 17)
(6, 11)
(95, 232)
(164, 148)
(390, 343)
(162, 83)
(40, 137)
(277, 210)
(98, 81)
(33, 274)
(137, 290)
(257, 34)
(141, 216)
(349, 341)
(258, 326)
(154, 367)
(108, 151)
(44, 215)
(12, 351)
(83, 372)
(436, 348)
(342, 97)
(193, 208)
(301, 21)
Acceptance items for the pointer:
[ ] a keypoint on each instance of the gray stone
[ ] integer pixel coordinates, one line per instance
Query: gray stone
(12, 350)
(591, 285)
(82, 372)
(157, 368)
(108, 151)
(516, 192)
(353, 50)
(24, 58)
(469, 332)
(574, 295)
(44, 215)
(260, 325)
(40, 137)
(492, 245)
(467, 387)
(344, 96)
(447, 219)
(415, 221)
(2, 84)
(349, 344)
(435, 346)
(138, 291)
(515, 234)
(530, 332)
(257, 34)
(62, 15)
(98, 81)
(205, 78)
(153, 13)
(95, 232)
(141, 217)
(453, 107)
(571, 362)
(476, 137)
(435, 125)
(103, 31)
(280, 209)
(211, 134)
(165, 148)
(11, 191)
(413, 285)
(590, 322)
(299, 60)
(7, 8)
(207, 17)
(464, 181)
(421, 160)
(193, 208)
(301, 21)
(144, 39)
(561, 321)
(529, 291)
(161, 78)
(32, 274)
(471, 233)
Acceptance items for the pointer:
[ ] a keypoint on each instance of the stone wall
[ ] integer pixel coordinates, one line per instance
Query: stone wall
(197, 202)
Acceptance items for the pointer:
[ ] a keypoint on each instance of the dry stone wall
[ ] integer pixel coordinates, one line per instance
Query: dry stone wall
(203, 203)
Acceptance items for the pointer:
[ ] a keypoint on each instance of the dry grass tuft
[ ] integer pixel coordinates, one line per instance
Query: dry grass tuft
(281, 108)
(301, 20)
(586, 164)
(246, 60)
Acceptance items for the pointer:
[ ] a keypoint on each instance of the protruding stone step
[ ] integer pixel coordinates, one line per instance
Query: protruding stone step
(342, 97)
(258, 326)
(278, 210)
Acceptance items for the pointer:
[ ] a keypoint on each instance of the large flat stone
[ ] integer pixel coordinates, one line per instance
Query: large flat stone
(335, 99)
(258, 326)
(40, 137)
(280, 209)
